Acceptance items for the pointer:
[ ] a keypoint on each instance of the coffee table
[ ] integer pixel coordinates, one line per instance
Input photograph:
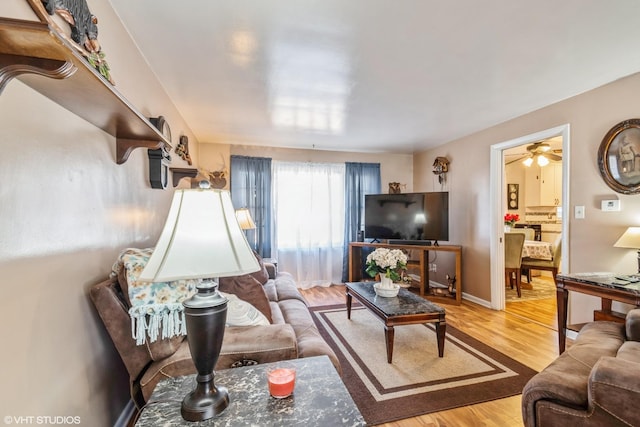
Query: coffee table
(404, 309)
(320, 399)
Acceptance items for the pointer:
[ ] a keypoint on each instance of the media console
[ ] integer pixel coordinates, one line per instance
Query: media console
(356, 268)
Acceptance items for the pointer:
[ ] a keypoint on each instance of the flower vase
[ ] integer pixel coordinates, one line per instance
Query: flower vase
(507, 229)
(386, 282)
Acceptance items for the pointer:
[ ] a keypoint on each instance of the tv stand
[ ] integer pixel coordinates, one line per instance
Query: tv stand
(356, 268)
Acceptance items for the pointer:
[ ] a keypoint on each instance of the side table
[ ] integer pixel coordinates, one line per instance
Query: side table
(319, 399)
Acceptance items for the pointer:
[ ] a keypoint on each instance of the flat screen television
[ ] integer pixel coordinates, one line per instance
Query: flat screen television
(407, 218)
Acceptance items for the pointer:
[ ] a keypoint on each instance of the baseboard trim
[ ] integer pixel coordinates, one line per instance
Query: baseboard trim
(126, 415)
(476, 300)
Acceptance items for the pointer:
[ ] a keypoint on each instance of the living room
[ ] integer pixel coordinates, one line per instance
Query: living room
(68, 209)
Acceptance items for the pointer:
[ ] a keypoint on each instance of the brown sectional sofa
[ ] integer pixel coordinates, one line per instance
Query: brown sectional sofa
(595, 382)
(291, 334)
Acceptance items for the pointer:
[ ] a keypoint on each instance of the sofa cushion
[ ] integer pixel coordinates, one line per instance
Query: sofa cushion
(249, 289)
(241, 313)
(283, 287)
(310, 342)
(630, 351)
(261, 275)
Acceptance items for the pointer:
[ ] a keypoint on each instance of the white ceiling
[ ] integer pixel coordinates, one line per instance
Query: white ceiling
(375, 75)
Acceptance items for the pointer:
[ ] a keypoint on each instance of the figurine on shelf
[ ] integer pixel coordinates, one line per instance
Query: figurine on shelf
(182, 149)
(84, 30)
(451, 281)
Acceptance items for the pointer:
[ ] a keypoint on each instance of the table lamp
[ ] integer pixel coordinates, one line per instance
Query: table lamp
(244, 219)
(630, 239)
(202, 240)
(246, 222)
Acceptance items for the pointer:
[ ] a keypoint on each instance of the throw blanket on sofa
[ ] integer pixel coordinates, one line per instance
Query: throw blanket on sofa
(155, 307)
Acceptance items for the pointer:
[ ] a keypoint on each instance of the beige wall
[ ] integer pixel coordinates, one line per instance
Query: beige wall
(393, 167)
(591, 240)
(66, 210)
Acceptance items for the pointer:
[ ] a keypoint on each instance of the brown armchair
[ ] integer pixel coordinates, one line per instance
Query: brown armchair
(596, 382)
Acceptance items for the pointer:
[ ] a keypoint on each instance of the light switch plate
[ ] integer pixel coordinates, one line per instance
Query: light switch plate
(611, 205)
(579, 212)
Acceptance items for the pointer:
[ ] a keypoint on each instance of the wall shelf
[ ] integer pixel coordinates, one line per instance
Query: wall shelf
(41, 58)
(179, 173)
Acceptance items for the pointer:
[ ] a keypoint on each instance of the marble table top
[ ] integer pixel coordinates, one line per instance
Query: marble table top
(403, 304)
(626, 282)
(319, 399)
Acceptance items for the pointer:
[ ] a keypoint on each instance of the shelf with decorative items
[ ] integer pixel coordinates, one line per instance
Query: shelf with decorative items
(30, 50)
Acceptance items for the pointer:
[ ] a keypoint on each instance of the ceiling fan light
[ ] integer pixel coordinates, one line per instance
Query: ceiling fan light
(528, 161)
(542, 161)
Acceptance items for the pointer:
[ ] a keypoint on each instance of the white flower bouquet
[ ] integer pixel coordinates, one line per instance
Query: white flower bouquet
(388, 262)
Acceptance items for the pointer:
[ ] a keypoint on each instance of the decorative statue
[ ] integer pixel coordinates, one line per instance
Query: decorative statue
(440, 168)
(183, 149)
(217, 179)
(84, 30)
(394, 188)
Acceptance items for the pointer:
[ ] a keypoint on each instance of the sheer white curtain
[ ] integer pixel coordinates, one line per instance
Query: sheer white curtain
(309, 221)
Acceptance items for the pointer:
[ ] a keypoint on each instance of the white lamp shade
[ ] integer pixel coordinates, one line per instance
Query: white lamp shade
(201, 239)
(244, 219)
(629, 239)
(542, 161)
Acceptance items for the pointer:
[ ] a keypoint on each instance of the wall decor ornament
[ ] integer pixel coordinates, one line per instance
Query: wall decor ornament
(182, 149)
(394, 188)
(159, 159)
(440, 168)
(84, 31)
(512, 196)
(619, 157)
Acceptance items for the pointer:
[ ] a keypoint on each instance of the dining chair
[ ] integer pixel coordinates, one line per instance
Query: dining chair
(529, 233)
(513, 244)
(540, 264)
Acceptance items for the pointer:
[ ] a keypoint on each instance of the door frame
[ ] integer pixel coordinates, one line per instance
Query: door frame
(498, 205)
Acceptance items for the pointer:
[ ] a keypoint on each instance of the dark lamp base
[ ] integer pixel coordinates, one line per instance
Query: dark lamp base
(205, 316)
(204, 402)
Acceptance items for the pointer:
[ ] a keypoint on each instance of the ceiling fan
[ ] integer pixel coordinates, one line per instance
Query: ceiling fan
(539, 151)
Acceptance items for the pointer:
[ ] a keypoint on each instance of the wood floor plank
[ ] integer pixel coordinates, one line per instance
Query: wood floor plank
(526, 332)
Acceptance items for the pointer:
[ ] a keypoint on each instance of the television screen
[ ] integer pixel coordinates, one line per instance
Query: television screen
(409, 217)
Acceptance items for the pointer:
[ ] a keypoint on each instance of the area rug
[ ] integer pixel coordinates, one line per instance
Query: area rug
(418, 381)
(539, 288)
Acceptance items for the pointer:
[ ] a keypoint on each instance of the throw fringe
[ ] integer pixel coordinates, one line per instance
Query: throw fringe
(157, 319)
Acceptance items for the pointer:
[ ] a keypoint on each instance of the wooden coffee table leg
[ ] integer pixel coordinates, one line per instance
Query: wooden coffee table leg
(349, 298)
(388, 334)
(441, 328)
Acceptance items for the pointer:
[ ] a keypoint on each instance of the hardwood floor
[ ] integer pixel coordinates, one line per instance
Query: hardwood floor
(526, 332)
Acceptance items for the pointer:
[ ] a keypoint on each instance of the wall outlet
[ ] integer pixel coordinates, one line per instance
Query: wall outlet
(579, 212)
(433, 268)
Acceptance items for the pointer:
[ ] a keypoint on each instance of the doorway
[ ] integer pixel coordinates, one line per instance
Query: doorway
(499, 204)
(533, 176)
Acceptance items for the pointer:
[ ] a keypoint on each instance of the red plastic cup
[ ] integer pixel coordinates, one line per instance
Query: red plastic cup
(282, 380)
